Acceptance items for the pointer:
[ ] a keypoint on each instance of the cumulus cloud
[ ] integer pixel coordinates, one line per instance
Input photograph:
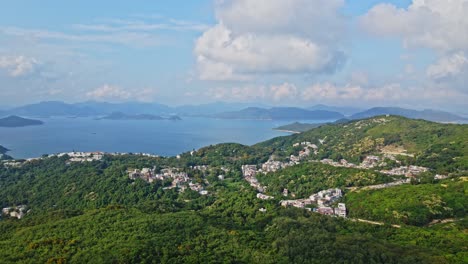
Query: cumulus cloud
(250, 93)
(109, 92)
(391, 92)
(270, 37)
(437, 24)
(448, 67)
(17, 66)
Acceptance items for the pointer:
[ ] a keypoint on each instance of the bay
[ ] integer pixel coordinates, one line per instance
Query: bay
(165, 138)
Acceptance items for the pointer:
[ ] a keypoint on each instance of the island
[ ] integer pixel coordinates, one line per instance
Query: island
(123, 116)
(3, 150)
(16, 121)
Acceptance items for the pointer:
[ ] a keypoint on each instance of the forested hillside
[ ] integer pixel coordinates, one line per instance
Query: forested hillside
(75, 211)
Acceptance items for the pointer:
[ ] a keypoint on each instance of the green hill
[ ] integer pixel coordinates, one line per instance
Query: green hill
(92, 212)
(443, 147)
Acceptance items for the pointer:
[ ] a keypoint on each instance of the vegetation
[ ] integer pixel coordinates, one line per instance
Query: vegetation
(92, 212)
(441, 147)
(411, 204)
(308, 178)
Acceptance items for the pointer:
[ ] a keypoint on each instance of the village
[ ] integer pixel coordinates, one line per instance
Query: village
(325, 198)
(320, 202)
(179, 178)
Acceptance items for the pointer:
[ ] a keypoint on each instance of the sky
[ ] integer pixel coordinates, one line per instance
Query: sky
(277, 52)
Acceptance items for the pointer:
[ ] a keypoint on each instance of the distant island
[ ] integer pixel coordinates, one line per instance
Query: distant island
(3, 150)
(3, 155)
(280, 113)
(16, 121)
(122, 116)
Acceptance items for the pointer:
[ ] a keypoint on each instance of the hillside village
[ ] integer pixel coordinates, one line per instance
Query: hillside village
(324, 202)
(321, 202)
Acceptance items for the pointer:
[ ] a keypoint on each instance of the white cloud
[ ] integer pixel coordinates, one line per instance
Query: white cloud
(356, 93)
(109, 92)
(114, 93)
(123, 25)
(251, 93)
(18, 66)
(284, 91)
(135, 39)
(271, 37)
(437, 24)
(449, 67)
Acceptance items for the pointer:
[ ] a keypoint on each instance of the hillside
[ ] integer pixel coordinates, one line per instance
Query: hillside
(98, 211)
(428, 114)
(443, 147)
(16, 121)
(279, 113)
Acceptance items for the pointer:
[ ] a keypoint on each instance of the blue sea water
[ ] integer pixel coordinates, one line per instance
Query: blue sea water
(165, 138)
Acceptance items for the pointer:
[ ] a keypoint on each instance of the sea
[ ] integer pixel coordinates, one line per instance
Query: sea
(163, 137)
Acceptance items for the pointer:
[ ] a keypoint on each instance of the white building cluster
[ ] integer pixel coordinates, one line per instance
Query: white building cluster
(179, 178)
(15, 212)
(82, 156)
(323, 199)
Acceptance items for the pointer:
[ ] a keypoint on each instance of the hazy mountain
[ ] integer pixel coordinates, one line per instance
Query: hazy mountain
(210, 109)
(340, 109)
(279, 113)
(52, 108)
(122, 116)
(427, 114)
(132, 108)
(16, 121)
(3, 150)
(91, 108)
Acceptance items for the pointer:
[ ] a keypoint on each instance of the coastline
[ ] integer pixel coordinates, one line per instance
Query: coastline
(288, 131)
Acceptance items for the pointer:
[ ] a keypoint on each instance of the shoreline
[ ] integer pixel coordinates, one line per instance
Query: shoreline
(288, 131)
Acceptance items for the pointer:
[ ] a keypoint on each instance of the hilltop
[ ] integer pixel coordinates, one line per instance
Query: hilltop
(427, 114)
(16, 121)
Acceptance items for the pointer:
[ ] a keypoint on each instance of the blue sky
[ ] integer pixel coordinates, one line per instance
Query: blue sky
(276, 52)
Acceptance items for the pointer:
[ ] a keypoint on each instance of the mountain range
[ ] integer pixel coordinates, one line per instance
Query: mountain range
(122, 116)
(280, 113)
(220, 110)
